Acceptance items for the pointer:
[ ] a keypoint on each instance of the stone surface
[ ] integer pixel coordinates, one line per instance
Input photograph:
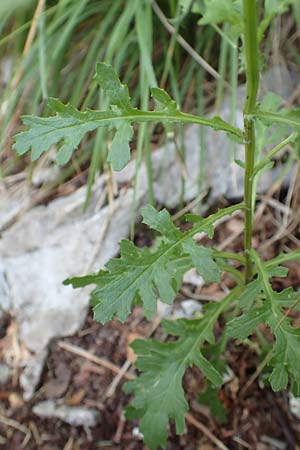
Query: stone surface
(73, 415)
(191, 308)
(49, 244)
(294, 403)
(32, 372)
(5, 374)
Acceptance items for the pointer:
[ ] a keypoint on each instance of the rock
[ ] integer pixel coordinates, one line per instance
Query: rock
(73, 415)
(5, 300)
(137, 434)
(187, 309)
(13, 200)
(30, 376)
(191, 308)
(43, 247)
(164, 310)
(49, 244)
(294, 403)
(5, 374)
(192, 277)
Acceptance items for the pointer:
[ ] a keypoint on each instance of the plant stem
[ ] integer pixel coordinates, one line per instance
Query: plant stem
(229, 255)
(252, 75)
(273, 152)
(283, 258)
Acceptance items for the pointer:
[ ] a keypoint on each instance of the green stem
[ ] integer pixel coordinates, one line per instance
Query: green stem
(236, 274)
(284, 258)
(261, 270)
(228, 255)
(273, 152)
(252, 75)
(292, 120)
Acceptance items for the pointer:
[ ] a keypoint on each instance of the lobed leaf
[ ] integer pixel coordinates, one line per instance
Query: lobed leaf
(202, 260)
(215, 12)
(159, 395)
(158, 392)
(119, 153)
(286, 352)
(69, 126)
(162, 97)
(139, 272)
(210, 398)
(241, 327)
(286, 357)
(117, 92)
(184, 5)
(271, 9)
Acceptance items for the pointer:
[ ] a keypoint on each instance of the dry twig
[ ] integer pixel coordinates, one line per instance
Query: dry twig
(91, 357)
(191, 420)
(14, 424)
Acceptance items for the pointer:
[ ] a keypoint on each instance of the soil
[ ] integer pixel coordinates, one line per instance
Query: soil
(257, 418)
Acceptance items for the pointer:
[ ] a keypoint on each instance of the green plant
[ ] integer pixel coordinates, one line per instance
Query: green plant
(139, 274)
(52, 48)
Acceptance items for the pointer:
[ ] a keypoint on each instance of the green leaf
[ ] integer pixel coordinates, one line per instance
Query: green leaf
(271, 102)
(160, 221)
(286, 298)
(271, 9)
(119, 153)
(289, 118)
(117, 92)
(250, 294)
(184, 6)
(69, 126)
(279, 377)
(255, 287)
(263, 305)
(278, 271)
(160, 396)
(286, 353)
(241, 327)
(78, 282)
(140, 272)
(283, 258)
(193, 218)
(240, 163)
(210, 398)
(219, 12)
(158, 392)
(226, 11)
(274, 7)
(202, 260)
(162, 97)
(134, 275)
(286, 358)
